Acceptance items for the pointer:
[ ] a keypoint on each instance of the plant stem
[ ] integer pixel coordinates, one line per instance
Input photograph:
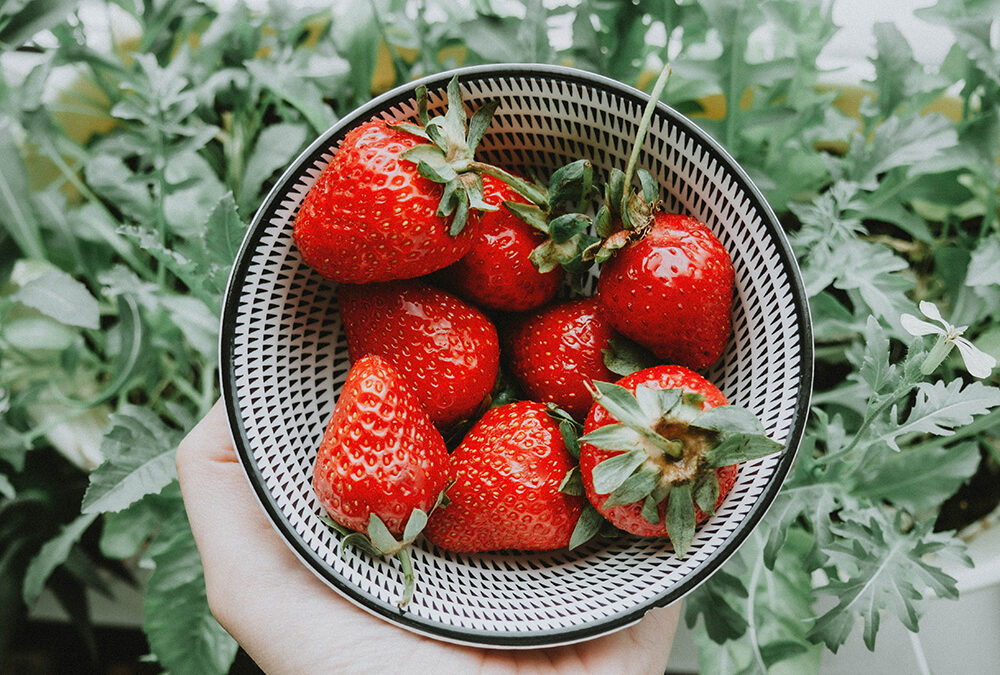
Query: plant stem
(640, 137)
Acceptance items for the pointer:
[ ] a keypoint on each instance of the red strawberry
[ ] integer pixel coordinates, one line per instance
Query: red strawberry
(497, 272)
(380, 453)
(506, 495)
(446, 350)
(556, 351)
(398, 200)
(660, 451)
(371, 216)
(671, 291)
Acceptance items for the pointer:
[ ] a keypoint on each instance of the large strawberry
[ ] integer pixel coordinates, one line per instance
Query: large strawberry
(556, 351)
(671, 290)
(508, 471)
(660, 451)
(398, 200)
(446, 349)
(382, 465)
(497, 271)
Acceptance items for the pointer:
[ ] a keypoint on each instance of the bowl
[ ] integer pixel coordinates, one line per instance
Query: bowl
(283, 359)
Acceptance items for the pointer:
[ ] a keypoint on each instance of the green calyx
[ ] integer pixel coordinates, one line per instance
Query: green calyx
(668, 449)
(448, 156)
(378, 542)
(627, 214)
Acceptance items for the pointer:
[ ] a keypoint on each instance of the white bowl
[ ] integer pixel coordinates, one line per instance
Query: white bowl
(284, 357)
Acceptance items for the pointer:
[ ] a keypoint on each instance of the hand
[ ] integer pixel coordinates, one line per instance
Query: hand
(289, 621)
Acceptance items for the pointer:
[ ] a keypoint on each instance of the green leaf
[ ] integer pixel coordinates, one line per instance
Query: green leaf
(706, 492)
(17, 214)
(904, 480)
(380, 535)
(680, 520)
(621, 403)
(729, 419)
(180, 628)
(139, 460)
(614, 437)
(21, 21)
(275, 147)
(61, 297)
(714, 601)
(572, 482)
(587, 526)
(570, 438)
(124, 533)
(414, 525)
(612, 472)
(53, 554)
(624, 357)
(657, 402)
(38, 333)
(740, 447)
(941, 408)
(635, 487)
(891, 572)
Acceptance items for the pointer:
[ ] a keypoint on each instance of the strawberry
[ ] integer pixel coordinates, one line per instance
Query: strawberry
(371, 216)
(382, 466)
(556, 351)
(399, 200)
(497, 271)
(446, 349)
(508, 470)
(661, 449)
(671, 291)
(380, 452)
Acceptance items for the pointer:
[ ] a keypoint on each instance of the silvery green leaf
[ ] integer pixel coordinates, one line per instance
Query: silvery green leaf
(729, 419)
(58, 295)
(637, 486)
(381, 537)
(414, 525)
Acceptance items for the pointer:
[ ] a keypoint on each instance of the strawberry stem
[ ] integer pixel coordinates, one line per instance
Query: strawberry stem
(525, 188)
(403, 556)
(640, 136)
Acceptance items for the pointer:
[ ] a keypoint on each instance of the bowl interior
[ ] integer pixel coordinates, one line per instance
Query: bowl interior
(284, 359)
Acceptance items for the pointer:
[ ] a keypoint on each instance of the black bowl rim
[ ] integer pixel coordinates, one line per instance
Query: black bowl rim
(402, 94)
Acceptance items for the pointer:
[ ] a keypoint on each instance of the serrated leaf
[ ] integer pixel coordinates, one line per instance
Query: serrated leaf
(940, 408)
(587, 526)
(890, 572)
(139, 460)
(612, 472)
(53, 554)
(714, 601)
(59, 296)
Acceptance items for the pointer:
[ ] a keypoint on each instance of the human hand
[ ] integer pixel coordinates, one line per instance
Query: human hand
(289, 621)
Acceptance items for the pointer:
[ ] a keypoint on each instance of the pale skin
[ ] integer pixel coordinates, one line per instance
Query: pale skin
(289, 621)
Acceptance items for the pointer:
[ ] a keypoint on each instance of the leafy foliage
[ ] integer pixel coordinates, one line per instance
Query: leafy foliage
(124, 196)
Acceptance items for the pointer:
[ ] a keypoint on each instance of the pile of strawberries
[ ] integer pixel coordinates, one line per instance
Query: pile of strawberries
(485, 407)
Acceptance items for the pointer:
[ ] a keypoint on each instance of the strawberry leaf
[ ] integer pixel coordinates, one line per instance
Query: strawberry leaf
(587, 526)
(706, 492)
(739, 447)
(680, 518)
(614, 437)
(612, 472)
(381, 537)
(414, 525)
(729, 419)
(572, 483)
(637, 486)
(624, 357)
